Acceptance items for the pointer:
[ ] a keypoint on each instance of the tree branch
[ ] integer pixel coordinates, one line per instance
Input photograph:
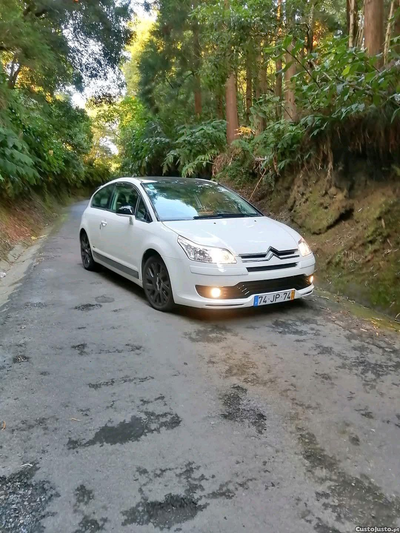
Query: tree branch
(303, 66)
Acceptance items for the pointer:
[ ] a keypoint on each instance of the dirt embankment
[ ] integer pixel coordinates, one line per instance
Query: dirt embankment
(23, 221)
(353, 226)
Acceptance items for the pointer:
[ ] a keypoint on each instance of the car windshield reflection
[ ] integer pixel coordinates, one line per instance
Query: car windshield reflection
(175, 200)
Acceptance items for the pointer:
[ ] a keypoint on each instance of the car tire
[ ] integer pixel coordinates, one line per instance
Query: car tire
(157, 284)
(86, 254)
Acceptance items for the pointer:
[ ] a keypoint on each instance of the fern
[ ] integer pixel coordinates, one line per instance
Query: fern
(17, 168)
(197, 147)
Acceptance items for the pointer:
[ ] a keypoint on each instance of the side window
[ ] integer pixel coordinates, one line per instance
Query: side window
(101, 200)
(142, 213)
(124, 195)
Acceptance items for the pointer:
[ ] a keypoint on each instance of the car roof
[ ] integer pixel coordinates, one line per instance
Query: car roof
(159, 179)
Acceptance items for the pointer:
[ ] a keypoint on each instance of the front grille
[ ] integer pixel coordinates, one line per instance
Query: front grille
(250, 288)
(267, 256)
(271, 267)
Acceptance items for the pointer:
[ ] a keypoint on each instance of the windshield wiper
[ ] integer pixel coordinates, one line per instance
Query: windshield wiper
(224, 215)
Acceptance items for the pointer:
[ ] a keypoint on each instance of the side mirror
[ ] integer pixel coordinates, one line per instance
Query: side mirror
(126, 210)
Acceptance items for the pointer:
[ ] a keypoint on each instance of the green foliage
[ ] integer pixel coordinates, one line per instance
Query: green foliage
(268, 154)
(196, 148)
(336, 83)
(279, 146)
(96, 173)
(58, 137)
(148, 146)
(45, 46)
(345, 104)
(238, 165)
(46, 43)
(142, 139)
(43, 145)
(16, 166)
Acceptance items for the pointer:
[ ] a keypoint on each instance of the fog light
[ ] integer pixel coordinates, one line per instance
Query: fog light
(216, 293)
(311, 280)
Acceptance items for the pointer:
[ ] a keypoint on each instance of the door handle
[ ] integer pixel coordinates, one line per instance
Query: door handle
(103, 224)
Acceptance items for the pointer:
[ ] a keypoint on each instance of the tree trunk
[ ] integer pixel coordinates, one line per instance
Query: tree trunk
(348, 16)
(373, 27)
(249, 87)
(352, 18)
(396, 27)
(231, 109)
(389, 28)
(359, 40)
(262, 81)
(220, 106)
(290, 102)
(198, 106)
(231, 101)
(263, 78)
(278, 87)
(310, 32)
(259, 120)
(278, 65)
(15, 69)
(261, 88)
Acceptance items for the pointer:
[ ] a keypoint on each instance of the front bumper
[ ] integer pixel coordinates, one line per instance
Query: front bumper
(245, 302)
(186, 276)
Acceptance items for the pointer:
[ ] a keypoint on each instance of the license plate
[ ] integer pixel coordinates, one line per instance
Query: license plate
(274, 298)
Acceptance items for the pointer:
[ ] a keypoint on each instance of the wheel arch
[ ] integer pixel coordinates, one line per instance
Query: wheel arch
(147, 254)
(159, 248)
(85, 229)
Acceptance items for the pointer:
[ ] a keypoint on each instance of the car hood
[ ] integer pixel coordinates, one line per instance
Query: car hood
(239, 235)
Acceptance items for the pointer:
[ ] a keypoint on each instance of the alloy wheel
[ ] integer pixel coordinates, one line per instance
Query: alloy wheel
(86, 254)
(157, 284)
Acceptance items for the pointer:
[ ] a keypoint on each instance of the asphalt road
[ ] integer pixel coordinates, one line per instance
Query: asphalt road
(119, 418)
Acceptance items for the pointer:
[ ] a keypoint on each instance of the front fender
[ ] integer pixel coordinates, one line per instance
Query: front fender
(165, 245)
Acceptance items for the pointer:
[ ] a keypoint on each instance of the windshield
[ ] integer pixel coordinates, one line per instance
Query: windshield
(193, 200)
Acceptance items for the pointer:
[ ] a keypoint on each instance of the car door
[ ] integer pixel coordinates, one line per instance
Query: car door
(122, 235)
(97, 216)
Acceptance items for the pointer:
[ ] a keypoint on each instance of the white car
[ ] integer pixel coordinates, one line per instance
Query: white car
(194, 242)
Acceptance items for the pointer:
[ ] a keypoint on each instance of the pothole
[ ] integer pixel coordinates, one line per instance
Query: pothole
(239, 408)
(23, 502)
(87, 307)
(174, 509)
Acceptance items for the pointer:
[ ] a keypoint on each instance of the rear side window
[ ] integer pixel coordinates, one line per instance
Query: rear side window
(101, 200)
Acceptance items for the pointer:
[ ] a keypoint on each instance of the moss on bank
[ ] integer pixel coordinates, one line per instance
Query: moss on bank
(366, 264)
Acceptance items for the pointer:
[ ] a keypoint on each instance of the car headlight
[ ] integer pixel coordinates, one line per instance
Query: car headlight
(206, 254)
(304, 248)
